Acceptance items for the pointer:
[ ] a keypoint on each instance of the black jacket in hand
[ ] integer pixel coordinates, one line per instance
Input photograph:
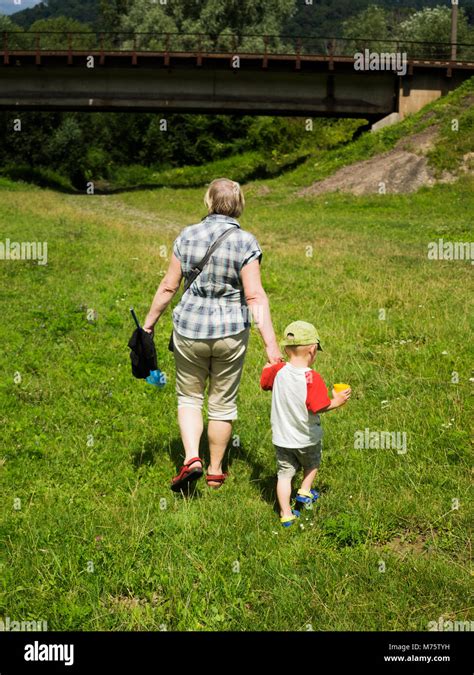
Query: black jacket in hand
(143, 353)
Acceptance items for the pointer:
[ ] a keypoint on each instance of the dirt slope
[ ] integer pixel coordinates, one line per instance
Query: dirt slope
(401, 170)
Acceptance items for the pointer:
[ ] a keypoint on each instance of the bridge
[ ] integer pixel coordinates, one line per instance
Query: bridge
(250, 74)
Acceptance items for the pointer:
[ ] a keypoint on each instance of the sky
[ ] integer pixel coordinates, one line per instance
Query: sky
(10, 6)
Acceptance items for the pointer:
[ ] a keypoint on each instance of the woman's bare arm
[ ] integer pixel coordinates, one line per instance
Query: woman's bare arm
(257, 301)
(165, 293)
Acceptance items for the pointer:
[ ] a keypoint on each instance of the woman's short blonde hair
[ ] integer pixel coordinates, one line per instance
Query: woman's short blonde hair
(224, 196)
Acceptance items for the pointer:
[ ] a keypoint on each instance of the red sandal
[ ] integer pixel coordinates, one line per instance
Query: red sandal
(216, 478)
(186, 475)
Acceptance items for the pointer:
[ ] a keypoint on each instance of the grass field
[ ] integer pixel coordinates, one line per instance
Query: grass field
(95, 539)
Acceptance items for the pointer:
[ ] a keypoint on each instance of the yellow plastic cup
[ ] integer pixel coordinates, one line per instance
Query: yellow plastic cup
(341, 387)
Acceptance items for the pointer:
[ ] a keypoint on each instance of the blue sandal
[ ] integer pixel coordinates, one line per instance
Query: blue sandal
(287, 521)
(305, 499)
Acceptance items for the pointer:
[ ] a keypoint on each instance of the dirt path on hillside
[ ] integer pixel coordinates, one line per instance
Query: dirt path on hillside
(108, 206)
(400, 171)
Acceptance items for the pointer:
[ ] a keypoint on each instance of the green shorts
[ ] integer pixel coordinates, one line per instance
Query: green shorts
(217, 362)
(289, 460)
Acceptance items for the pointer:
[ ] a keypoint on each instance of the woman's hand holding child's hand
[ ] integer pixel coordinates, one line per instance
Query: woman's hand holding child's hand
(274, 354)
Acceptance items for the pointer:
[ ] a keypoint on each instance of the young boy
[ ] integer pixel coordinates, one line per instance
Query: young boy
(298, 396)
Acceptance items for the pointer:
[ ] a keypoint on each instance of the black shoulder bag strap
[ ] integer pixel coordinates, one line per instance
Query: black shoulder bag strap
(196, 271)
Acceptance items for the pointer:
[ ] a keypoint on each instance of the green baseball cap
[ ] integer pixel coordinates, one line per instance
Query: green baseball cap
(300, 333)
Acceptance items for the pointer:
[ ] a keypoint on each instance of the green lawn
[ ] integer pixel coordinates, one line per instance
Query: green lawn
(98, 541)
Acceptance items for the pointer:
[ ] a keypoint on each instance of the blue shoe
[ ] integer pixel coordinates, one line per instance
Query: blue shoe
(288, 521)
(305, 499)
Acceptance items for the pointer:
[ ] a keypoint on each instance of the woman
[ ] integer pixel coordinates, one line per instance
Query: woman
(211, 326)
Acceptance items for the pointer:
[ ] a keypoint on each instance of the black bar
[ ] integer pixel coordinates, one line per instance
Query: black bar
(162, 652)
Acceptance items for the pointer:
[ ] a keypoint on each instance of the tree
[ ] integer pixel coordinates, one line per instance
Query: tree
(431, 26)
(15, 40)
(371, 24)
(325, 18)
(247, 17)
(112, 13)
(62, 26)
(6, 24)
(66, 146)
(27, 146)
(144, 18)
(81, 10)
(217, 20)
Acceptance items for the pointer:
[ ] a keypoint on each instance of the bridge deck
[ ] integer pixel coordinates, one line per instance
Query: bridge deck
(23, 57)
(164, 72)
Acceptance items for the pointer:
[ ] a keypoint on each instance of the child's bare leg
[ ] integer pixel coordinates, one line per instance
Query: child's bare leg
(284, 495)
(309, 476)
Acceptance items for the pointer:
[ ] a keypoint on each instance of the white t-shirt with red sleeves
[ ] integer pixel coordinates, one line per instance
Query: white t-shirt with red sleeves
(298, 394)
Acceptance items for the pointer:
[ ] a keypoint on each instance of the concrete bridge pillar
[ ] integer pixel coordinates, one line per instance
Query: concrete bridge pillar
(419, 89)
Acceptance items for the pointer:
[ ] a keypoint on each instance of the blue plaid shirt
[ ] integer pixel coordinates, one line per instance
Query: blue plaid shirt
(214, 306)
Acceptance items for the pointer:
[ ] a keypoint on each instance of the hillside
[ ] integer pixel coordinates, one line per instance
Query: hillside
(322, 18)
(425, 150)
(327, 16)
(87, 11)
(422, 150)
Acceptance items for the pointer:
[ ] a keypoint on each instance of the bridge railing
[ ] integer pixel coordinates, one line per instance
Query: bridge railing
(202, 43)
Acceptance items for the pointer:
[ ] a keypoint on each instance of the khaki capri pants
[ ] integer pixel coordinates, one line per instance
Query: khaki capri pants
(219, 360)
